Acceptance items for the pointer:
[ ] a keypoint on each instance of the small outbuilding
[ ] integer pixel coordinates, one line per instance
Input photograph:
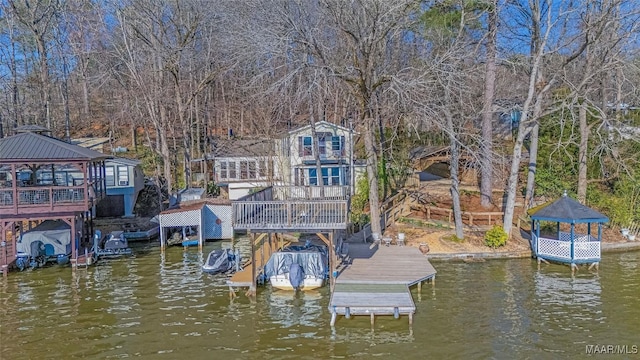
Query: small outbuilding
(567, 247)
(210, 219)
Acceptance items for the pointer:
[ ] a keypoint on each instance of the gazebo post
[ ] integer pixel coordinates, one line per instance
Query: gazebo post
(572, 244)
(588, 230)
(537, 222)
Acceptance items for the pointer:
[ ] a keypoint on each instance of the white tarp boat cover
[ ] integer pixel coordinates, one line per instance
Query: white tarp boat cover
(55, 236)
(313, 260)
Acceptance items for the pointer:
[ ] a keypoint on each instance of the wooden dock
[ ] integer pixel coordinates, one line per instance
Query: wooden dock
(376, 279)
(244, 277)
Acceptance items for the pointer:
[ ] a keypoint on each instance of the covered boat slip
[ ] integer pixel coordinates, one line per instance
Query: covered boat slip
(376, 280)
(262, 251)
(303, 209)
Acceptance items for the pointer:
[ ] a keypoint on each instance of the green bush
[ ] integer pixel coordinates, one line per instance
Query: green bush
(495, 237)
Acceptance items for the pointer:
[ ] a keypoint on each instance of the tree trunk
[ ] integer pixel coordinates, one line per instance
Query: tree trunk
(455, 164)
(455, 185)
(372, 173)
(316, 149)
(582, 152)
(533, 163)
(486, 168)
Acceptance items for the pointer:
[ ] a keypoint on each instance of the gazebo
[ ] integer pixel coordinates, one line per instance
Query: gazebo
(567, 247)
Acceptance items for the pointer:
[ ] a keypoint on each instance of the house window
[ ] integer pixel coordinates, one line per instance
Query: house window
(262, 169)
(335, 176)
(110, 176)
(330, 176)
(244, 170)
(305, 146)
(322, 142)
(252, 169)
(123, 176)
(223, 170)
(313, 177)
(299, 177)
(337, 144)
(232, 170)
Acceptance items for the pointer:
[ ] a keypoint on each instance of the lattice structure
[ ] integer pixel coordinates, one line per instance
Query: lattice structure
(585, 247)
(556, 249)
(586, 250)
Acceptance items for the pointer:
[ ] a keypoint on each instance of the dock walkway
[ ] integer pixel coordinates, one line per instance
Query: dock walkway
(243, 278)
(376, 279)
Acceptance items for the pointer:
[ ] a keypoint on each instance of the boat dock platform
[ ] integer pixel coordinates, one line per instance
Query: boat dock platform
(375, 280)
(261, 254)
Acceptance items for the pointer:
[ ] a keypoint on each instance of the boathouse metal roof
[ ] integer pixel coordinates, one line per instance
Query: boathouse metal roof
(568, 210)
(32, 147)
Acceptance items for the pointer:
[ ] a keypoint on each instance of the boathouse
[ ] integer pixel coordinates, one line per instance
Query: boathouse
(293, 209)
(569, 247)
(210, 219)
(44, 178)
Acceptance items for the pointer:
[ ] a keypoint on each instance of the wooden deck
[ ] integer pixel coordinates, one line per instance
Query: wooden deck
(376, 280)
(292, 209)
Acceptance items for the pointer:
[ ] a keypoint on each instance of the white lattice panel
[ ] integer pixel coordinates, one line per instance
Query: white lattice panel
(565, 236)
(554, 248)
(586, 250)
(183, 218)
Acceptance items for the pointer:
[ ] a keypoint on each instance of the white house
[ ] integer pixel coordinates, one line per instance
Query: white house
(242, 166)
(334, 145)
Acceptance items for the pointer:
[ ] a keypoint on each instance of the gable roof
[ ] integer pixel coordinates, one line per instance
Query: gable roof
(243, 148)
(36, 148)
(318, 125)
(568, 210)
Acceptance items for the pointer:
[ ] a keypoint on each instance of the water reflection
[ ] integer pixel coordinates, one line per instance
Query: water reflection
(289, 308)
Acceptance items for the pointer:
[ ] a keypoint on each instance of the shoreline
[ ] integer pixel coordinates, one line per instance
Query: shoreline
(481, 256)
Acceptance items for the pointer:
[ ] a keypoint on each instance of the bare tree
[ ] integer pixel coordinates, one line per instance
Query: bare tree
(38, 17)
(486, 167)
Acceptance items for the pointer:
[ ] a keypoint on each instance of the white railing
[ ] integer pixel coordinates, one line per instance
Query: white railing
(565, 236)
(318, 214)
(6, 197)
(311, 192)
(585, 247)
(557, 249)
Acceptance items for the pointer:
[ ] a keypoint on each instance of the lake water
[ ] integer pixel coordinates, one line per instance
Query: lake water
(156, 306)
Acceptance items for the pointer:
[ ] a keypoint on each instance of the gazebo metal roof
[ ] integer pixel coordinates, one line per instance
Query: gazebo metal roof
(36, 148)
(568, 210)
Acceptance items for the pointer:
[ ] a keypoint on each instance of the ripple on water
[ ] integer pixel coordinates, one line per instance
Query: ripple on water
(162, 304)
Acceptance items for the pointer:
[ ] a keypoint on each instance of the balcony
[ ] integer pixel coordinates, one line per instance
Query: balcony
(43, 200)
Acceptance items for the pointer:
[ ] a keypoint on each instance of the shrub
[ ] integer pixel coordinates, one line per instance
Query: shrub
(495, 237)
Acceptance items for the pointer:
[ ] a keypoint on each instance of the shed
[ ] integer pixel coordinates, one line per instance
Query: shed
(211, 219)
(567, 247)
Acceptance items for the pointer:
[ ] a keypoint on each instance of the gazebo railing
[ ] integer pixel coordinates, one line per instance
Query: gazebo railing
(585, 247)
(556, 249)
